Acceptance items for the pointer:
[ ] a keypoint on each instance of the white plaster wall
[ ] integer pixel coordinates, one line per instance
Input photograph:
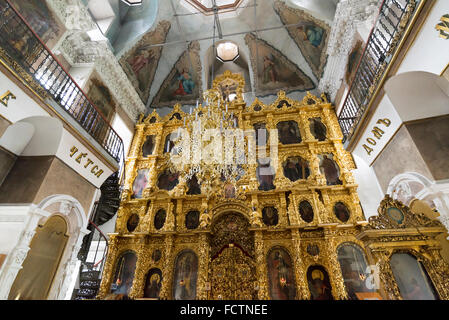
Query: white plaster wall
(370, 193)
(123, 131)
(429, 52)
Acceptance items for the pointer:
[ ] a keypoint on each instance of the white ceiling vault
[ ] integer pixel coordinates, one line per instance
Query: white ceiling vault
(190, 23)
(124, 28)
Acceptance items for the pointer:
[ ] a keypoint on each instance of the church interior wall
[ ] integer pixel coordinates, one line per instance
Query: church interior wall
(400, 155)
(7, 160)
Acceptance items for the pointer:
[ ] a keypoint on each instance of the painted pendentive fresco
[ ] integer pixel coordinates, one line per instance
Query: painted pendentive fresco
(310, 35)
(273, 71)
(281, 278)
(183, 84)
(185, 276)
(41, 20)
(140, 63)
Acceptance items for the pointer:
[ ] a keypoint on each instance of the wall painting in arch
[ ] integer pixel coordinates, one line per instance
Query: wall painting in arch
(184, 83)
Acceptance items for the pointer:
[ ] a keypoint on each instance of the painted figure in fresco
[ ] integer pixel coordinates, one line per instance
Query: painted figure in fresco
(186, 84)
(330, 170)
(148, 147)
(194, 186)
(154, 284)
(289, 132)
(269, 69)
(313, 34)
(318, 129)
(140, 183)
(141, 60)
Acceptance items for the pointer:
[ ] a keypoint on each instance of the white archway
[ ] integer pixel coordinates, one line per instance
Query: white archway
(408, 186)
(72, 211)
(418, 95)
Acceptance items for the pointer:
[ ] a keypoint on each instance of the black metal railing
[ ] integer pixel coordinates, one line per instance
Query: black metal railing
(394, 17)
(25, 48)
(92, 255)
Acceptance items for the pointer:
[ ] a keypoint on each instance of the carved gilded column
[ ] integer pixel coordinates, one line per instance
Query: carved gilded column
(134, 150)
(108, 270)
(387, 281)
(167, 272)
(261, 266)
(334, 270)
(203, 266)
(304, 124)
(300, 274)
(438, 271)
(283, 219)
(137, 289)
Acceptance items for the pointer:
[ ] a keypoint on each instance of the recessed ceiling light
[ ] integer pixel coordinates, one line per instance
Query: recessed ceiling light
(227, 51)
(133, 2)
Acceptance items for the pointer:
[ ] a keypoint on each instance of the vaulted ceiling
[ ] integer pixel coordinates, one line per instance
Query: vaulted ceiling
(282, 45)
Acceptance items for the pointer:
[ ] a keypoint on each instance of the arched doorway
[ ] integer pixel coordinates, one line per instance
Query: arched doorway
(34, 280)
(232, 272)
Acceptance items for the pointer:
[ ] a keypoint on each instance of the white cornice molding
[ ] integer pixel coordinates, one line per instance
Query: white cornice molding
(348, 15)
(78, 49)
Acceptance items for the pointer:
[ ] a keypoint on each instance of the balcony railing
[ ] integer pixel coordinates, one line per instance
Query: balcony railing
(22, 48)
(394, 17)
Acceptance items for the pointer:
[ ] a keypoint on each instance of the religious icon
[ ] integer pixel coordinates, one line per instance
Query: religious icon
(306, 211)
(354, 269)
(412, 278)
(330, 169)
(148, 146)
(193, 186)
(289, 132)
(124, 274)
(341, 212)
(283, 103)
(140, 183)
(312, 33)
(159, 219)
(319, 284)
(168, 180)
(153, 284)
(185, 276)
(296, 168)
(192, 219)
(318, 129)
(265, 176)
(396, 215)
(176, 116)
(133, 222)
(270, 216)
(186, 84)
(229, 191)
(280, 275)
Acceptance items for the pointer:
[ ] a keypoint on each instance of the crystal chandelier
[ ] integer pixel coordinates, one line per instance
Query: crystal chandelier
(209, 145)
